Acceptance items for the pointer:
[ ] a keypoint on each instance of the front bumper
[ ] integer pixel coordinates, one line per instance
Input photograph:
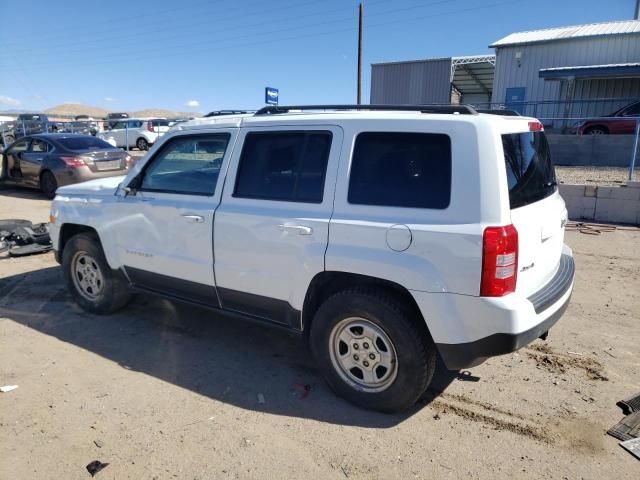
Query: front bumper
(477, 328)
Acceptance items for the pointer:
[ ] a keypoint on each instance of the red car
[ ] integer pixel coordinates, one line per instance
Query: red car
(610, 125)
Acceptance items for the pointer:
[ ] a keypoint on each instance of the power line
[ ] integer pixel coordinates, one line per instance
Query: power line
(164, 54)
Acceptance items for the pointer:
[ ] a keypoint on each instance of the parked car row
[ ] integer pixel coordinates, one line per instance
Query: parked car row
(49, 160)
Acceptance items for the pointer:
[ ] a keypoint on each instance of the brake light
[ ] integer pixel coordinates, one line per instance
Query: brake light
(536, 127)
(499, 261)
(150, 126)
(73, 162)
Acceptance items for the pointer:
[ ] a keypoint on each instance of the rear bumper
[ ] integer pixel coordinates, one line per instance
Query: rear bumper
(467, 330)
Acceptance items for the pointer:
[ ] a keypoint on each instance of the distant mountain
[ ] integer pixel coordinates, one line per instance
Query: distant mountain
(76, 109)
(97, 112)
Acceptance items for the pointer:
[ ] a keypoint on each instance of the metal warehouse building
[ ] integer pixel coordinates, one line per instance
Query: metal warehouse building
(439, 80)
(567, 68)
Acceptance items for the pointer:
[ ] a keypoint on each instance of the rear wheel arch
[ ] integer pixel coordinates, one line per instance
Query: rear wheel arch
(326, 284)
(590, 128)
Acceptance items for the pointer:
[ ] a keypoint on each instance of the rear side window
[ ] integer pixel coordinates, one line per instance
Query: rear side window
(285, 166)
(530, 173)
(401, 170)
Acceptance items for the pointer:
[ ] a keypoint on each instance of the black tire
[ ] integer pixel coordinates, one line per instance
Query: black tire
(414, 348)
(597, 131)
(48, 184)
(142, 144)
(114, 292)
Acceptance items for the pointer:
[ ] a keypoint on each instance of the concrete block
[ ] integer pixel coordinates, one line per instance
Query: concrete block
(619, 193)
(633, 184)
(590, 190)
(616, 210)
(567, 191)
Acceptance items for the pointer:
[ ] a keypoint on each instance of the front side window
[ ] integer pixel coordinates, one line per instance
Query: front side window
(285, 166)
(401, 169)
(21, 146)
(188, 165)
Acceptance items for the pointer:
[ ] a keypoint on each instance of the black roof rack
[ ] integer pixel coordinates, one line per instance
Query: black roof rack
(218, 113)
(499, 111)
(460, 109)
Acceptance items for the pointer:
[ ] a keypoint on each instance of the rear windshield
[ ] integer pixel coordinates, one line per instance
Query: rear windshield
(530, 172)
(83, 143)
(160, 123)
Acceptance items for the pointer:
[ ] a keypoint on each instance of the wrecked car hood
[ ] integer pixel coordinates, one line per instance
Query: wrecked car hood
(100, 186)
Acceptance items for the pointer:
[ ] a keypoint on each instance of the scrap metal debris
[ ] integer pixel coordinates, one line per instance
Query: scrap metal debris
(632, 446)
(630, 405)
(22, 237)
(95, 466)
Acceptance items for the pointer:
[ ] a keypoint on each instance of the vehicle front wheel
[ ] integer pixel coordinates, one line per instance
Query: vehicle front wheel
(48, 184)
(597, 131)
(142, 144)
(93, 284)
(372, 350)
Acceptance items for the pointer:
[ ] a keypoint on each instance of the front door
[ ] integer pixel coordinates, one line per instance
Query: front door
(165, 231)
(272, 225)
(14, 156)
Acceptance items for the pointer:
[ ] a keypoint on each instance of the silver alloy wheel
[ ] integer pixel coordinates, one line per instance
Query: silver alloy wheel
(363, 355)
(87, 275)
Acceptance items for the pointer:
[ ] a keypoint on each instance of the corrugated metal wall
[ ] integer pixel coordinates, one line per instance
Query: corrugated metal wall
(419, 82)
(564, 53)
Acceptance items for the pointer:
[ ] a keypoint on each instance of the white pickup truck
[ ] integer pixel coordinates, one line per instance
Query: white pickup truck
(385, 235)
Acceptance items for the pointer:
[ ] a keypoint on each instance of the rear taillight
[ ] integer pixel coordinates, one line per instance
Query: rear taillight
(499, 261)
(73, 162)
(536, 127)
(150, 126)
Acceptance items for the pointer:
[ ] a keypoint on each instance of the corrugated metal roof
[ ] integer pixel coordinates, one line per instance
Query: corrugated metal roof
(624, 27)
(584, 67)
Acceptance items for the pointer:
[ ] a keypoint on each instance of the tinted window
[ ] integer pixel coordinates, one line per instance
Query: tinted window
(286, 166)
(160, 123)
(401, 170)
(189, 165)
(632, 110)
(530, 172)
(39, 146)
(120, 126)
(20, 146)
(83, 143)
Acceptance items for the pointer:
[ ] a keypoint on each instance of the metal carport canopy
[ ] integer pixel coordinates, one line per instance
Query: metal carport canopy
(617, 70)
(473, 74)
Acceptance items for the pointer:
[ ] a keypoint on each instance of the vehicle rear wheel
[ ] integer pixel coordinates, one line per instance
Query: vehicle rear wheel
(371, 350)
(597, 131)
(142, 144)
(94, 285)
(48, 184)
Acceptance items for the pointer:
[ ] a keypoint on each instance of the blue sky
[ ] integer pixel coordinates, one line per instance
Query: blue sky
(129, 55)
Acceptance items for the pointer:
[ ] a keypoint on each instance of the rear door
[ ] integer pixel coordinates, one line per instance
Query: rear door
(537, 210)
(32, 160)
(272, 225)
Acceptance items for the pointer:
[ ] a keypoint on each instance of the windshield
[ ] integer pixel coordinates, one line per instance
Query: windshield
(530, 172)
(83, 143)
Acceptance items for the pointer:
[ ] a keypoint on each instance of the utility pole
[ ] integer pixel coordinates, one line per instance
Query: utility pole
(360, 53)
(637, 15)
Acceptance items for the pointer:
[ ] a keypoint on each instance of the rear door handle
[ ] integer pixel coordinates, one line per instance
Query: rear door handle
(300, 229)
(193, 218)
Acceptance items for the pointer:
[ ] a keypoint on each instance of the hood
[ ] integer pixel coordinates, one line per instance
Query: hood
(100, 186)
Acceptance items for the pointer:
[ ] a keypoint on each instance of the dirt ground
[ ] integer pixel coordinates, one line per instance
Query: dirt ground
(162, 390)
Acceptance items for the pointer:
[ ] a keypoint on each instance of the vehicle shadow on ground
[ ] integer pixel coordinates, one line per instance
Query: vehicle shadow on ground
(17, 191)
(206, 352)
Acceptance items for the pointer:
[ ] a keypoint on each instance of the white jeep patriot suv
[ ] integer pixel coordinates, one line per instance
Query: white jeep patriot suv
(386, 235)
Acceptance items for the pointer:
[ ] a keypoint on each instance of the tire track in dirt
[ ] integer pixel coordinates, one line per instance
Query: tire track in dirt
(559, 363)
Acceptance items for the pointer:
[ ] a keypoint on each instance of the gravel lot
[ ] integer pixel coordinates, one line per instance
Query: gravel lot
(162, 390)
(593, 175)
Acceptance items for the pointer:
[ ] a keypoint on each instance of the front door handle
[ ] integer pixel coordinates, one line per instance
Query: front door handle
(300, 229)
(193, 218)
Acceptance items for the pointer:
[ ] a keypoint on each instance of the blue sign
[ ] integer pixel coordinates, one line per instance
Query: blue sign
(271, 96)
